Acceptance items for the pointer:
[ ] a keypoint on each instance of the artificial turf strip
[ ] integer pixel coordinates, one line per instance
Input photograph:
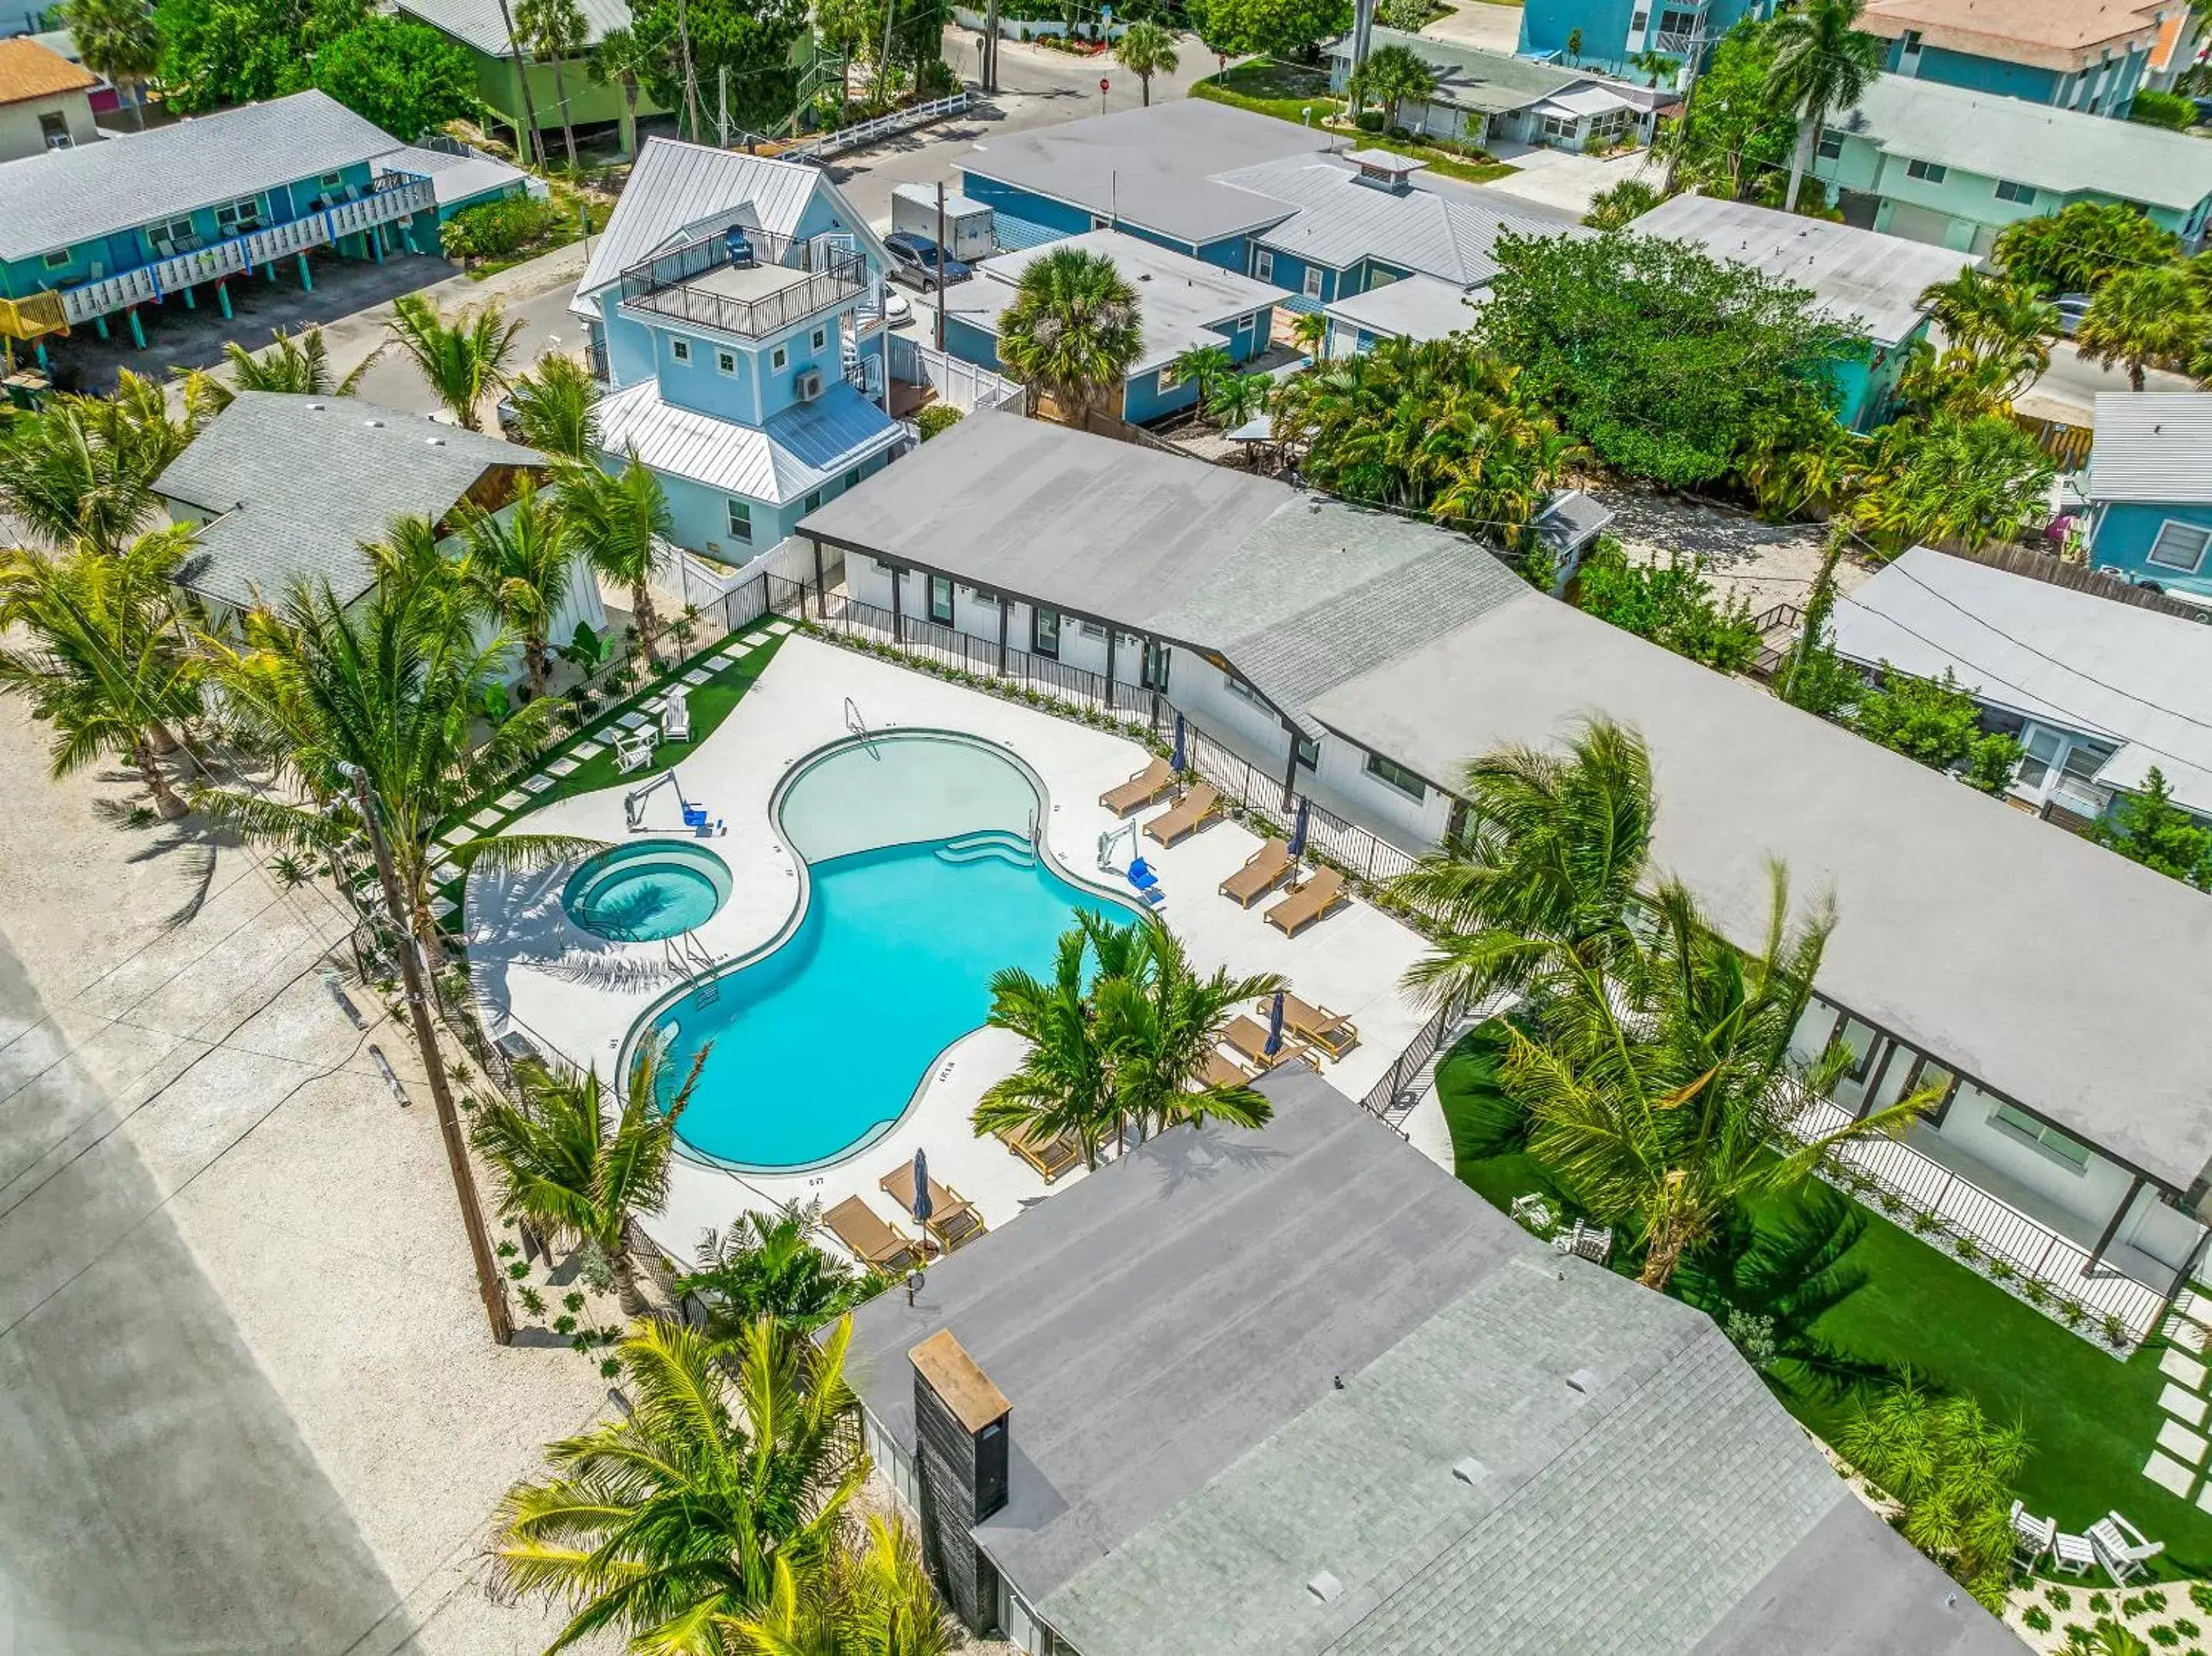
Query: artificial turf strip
(2091, 1421)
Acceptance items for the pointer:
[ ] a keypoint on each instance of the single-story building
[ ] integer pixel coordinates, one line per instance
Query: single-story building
(44, 101)
(2149, 489)
(1364, 660)
(2089, 55)
(1297, 1392)
(1417, 308)
(1865, 282)
(1492, 99)
(1183, 304)
(462, 176)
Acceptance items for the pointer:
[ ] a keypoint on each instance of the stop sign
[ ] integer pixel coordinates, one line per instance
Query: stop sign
(1104, 83)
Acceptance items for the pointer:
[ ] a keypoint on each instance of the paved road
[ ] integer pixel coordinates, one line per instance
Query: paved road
(2074, 380)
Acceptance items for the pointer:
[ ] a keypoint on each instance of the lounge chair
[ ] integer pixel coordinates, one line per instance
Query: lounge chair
(1265, 869)
(1149, 786)
(2121, 1548)
(1219, 1072)
(1308, 902)
(676, 717)
(633, 751)
(1050, 1157)
(855, 1224)
(2032, 1537)
(1186, 817)
(953, 1219)
(1249, 1037)
(1331, 1031)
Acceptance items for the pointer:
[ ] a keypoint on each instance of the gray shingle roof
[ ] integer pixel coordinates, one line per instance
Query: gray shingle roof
(2153, 446)
(1472, 78)
(294, 484)
(477, 22)
(66, 196)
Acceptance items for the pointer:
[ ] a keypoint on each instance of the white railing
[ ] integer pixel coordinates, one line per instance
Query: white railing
(882, 126)
(958, 384)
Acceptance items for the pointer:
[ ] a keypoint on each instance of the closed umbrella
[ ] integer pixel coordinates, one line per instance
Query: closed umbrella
(1299, 833)
(922, 1205)
(1275, 1026)
(1177, 761)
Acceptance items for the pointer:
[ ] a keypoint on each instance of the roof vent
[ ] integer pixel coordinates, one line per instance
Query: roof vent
(314, 408)
(1326, 1587)
(374, 425)
(1470, 1471)
(1144, 276)
(436, 442)
(1586, 1381)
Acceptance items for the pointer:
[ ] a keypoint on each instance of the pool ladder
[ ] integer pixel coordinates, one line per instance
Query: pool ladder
(859, 726)
(690, 961)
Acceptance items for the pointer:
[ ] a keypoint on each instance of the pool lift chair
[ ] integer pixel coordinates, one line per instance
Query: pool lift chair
(694, 816)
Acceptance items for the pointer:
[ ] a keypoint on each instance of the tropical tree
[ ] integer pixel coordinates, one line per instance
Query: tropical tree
(2149, 828)
(555, 30)
(1159, 1020)
(1997, 341)
(1823, 62)
(1625, 202)
(1064, 1085)
(767, 1265)
(463, 359)
(521, 567)
(1146, 49)
(1935, 722)
(554, 408)
(1392, 75)
(101, 652)
(1072, 329)
(1238, 399)
(399, 74)
(668, 1526)
(1310, 329)
(296, 365)
(616, 521)
(622, 56)
(1799, 460)
(2150, 315)
(2079, 247)
(84, 468)
(1671, 604)
(875, 1600)
(117, 41)
(1206, 366)
(1732, 138)
(1655, 65)
(579, 1171)
(1952, 1469)
(1945, 481)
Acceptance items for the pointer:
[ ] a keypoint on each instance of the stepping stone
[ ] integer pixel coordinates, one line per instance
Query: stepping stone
(513, 800)
(562, 767)
(631, 720)
(2170, 1474)
(2186, 1369)
(2182, 1405)
(725, 657)
(537, 784)
(588, 751)
(753, 639)
(446, 873)
(455, 836)
(697, 676)
(779, 628)
(484, 818)
(2180, 1442)
(654, 706)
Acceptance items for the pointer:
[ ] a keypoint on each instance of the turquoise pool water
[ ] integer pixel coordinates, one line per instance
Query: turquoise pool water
(818, 1048)
(642, 892)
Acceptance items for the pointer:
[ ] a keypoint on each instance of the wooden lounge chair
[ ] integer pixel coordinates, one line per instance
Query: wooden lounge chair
(1331, 1031)
(1185, 818)
(1308, 902)
(1219, 1072)
(1050, 1157)
(1149, 786)
(1265, 869)
(1249, 1038)
(953, 1219)
(855, 1224)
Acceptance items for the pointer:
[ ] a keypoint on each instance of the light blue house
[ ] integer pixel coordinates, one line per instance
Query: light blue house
(124, 230)
(2150, 491)
(734, 310)
(2070, 54)
(1610, 34)
(1183, 304)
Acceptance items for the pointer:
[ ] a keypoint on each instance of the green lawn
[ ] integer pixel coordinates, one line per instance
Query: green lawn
(2091, 1420)
(1287, 91)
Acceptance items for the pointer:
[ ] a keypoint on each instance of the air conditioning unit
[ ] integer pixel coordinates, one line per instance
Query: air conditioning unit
(59, 140)
(808, 384)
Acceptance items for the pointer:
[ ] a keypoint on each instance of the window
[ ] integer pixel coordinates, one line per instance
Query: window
(1100, 221)
(2084, 760)
(168, 237)
(1244, 323)
(1092, 630)
(1263, 264)
(814, 501)
(2022, 194)
(726, 362)
(1244, 693)
(56, 260)
(1638, 22)
(1169, 379)
(741, 521)
(1396, 775)
(1909, 42)
(852, 477)
(53, 126)
(2039, 750)
(1309, 751)
(332, 180)
(820, 337)
(1561, 127)
(236, 217)
(1044, 632)
(940, 599)
(779, 359)
(1678, 22)
(1152, 671)
(2018, 1124)
(1927, 172)
(1831, 146)
(2179, 545)
(680, 350)
(1313, 281)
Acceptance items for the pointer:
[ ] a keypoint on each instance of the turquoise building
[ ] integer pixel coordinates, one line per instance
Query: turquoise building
(733, 309)
(1610, 34)
(2150, 491)
(2069, 54)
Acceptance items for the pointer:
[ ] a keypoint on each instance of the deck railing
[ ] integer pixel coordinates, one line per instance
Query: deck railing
(664, 284)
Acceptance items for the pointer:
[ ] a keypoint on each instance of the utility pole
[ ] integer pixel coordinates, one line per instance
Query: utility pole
(941, 256)
(690, 73)
(1696, 61)
(883, 62)
(1363, 31)
(722, 119)
(991, 49)
(490, 1283)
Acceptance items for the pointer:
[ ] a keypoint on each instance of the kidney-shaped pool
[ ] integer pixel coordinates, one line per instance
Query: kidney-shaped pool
(921, 883)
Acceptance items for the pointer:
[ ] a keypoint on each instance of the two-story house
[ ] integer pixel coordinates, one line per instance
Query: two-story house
(2086, 55)
(44, 101)
(570, 90)
(2149, 489)
(734, 308)
(1612, 34)
(1939, 163)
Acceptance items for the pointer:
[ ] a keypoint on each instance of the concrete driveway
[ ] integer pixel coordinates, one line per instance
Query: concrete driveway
(1569, 182)
(1478, 23)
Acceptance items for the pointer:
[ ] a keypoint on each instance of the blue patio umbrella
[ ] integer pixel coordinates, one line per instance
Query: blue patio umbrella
(1177, 762)
(922, 1205)
(1275, 1026)
(1299, 833)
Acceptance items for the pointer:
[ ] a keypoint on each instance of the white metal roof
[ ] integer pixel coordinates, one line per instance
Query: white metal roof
(1582, 101)
(477, 22)
(1417, 308)
(2153, 447)
(454, 178)
(800, 450)
(956, 204)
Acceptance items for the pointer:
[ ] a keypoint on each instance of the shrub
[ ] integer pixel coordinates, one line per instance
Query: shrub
(935, 418)
(2154, 1599)
(2200, 1594)
(497, 227)
(2059, 1598)
(2100, 1604)
(1999, 1271)
(2131, 1606)
(2116, 1334)
(2185, 1628)
(2163, 1636)
(2037, 1617)
(1967, 1249)
(2168, 109)
(1370, 120)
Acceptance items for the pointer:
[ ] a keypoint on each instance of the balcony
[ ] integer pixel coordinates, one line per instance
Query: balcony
(1672, 44)
(774, 284)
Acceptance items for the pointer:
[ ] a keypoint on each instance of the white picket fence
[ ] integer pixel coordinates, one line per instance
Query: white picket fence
(958, 384)
(862, 133)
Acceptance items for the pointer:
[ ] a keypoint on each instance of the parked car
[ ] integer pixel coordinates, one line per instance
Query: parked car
(2072, 307)
(897, 311)
(915, 258)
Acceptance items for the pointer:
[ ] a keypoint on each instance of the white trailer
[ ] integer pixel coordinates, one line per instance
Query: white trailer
(970, 230)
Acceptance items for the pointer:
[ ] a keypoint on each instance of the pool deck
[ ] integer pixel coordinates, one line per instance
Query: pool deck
(579, 994)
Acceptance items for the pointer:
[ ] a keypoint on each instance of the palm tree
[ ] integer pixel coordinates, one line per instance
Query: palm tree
(668, 1526)
(1238, 399)
(615, 524)
(521, 566)
(1946, 481)
(1205, 365)
(1310, 329)
(575, 1170)
(1391, 75)
(875, 1602)
(1146, 49)
(2149, 315)
(1064, 1085)
(105, 657)
(554, 408)
(1625, 202)
(1656, 65)
(84, 468)
(1822, 61)
(462, 360)
(1072, 328)
(119, 42)
(294, 365)
(766, 1266)
(623, 57)
(1160, 1021)
(555, 30)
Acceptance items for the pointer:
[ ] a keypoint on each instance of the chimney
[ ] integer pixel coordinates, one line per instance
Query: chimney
(960, 1463)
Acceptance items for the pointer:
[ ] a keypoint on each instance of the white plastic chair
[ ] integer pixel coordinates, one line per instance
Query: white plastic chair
(2032, 1537)
(676, 716)
(2121, 1548)
(634, 751)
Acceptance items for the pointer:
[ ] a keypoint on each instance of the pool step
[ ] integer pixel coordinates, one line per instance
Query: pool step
(991, 845)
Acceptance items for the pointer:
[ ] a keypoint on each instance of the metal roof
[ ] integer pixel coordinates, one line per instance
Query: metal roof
(1863, 278)
(1570, 520)
(2152, 447)
(1235, 1360)
(1417, 308)
(2063, 975)
(2049, 653)
(2056, 149)
(454, 178)
(1470, 78)
(477, 22)
(798, 450)
(294, 485)
(63, 197)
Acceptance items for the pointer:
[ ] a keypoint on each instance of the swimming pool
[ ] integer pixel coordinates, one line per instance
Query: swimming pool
(920, 883)
(642, 892)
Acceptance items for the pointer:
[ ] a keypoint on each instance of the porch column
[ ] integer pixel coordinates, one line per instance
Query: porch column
(899, 593)
(1005, 610)
(222, 298)
(821, 588)
(190, 304)
(375, 240)
(307, 277)
(1290, 769)
(100, 323)
(138, 333)
(1112, 637)
(2112, 1224)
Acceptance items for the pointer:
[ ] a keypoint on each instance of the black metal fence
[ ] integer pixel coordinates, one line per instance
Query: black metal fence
(1396, 1093)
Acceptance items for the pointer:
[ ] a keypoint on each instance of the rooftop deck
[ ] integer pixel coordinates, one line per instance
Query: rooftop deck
(764, 285)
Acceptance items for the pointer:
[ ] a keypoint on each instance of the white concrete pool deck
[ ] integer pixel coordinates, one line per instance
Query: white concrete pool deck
(579, 994)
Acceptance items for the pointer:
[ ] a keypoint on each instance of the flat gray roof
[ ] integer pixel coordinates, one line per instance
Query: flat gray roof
(1171, 1331)
(2048, 968)
(2153, 447)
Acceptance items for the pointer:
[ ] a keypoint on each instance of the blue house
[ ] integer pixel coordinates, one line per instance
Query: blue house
(2070, 54)
(123, 228)
(733, 309)
(1183, 304)
(2150, 491)
(1610, 34)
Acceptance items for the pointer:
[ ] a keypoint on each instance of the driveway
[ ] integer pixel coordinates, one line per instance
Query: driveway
(1478, 23)
(1762, 563)
(1569, 182)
